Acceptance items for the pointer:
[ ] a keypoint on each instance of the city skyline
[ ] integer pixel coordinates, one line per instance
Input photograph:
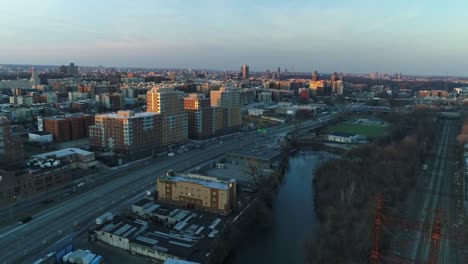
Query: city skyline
(344, 36)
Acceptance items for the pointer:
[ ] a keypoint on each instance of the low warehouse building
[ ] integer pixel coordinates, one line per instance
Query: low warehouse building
(342, 137)
(120, 231)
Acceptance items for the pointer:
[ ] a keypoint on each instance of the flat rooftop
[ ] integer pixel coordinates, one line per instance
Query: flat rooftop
(178, 261)
(41, 133)
(190, 239)
(62, 153)
(136, 115)
(342, 134)
(209, 182)
(122, 227)
(149, 206)
(230, 171)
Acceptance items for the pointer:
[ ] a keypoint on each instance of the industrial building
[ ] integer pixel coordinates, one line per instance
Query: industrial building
(166, 215)
(119, 232)
(185, 235)
(77, 158)
(48, 170)
(342, 137)
(261, 158)
(198, 191)
(166, 232)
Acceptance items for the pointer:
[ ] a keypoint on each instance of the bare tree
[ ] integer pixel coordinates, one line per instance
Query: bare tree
(255, 173)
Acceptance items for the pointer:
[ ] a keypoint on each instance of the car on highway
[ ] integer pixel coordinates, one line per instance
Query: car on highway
(47, 201)
(25, 220)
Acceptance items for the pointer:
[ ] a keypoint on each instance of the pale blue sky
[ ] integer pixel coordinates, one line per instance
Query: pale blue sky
(411, 36)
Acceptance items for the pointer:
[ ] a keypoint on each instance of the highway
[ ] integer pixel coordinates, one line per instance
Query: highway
(19, 243)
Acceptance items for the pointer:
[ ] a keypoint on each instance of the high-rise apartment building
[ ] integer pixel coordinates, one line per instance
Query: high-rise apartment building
(229, 100)
(201, 191)
(71, 69)
(126, 132)
(170, 104)
(201, 119)
(245, 71)
(11, 146)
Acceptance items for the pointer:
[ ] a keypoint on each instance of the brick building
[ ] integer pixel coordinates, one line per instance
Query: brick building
(228, 99)
(11, 145)
(199, 191)
(126, 131)
(69, 127)
(169, 103)
(201, 116)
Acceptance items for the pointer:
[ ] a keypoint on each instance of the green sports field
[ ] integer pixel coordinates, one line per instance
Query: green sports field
(368, 131)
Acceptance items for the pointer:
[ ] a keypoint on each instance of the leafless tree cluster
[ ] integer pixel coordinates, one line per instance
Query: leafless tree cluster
(345, 189)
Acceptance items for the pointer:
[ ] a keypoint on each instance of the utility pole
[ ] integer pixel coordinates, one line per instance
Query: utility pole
(375, 251)
(11, 208)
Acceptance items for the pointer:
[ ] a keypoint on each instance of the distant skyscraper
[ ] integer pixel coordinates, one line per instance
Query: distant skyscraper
(374, 75)
(334, 77)
(63, 69)
(315, 76)
(72, 69)
(279, 72)
(245, 71)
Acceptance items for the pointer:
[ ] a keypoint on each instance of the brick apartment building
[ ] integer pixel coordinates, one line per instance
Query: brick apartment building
(200, 191)
(169, 103)
(201, 116)
(69, 127)
(9, 187)
(11, 146)
(229, 100)
(126, 132)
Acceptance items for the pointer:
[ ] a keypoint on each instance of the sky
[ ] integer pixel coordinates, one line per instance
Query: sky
(352, 36)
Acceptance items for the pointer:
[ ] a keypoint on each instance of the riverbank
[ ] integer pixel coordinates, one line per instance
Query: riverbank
(255, 214)
(280, 232)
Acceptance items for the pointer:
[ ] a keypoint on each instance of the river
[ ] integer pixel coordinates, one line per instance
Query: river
(293, 218)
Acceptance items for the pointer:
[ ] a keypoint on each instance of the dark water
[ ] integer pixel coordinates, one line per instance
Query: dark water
(293, 217)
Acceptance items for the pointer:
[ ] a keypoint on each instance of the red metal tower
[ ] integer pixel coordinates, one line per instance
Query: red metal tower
(435, 238)
(375, 251)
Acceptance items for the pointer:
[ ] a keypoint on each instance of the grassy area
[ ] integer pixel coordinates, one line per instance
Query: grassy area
(368, 131)
(258, 122)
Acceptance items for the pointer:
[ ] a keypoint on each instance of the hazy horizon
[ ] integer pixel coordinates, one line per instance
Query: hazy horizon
(359, 36)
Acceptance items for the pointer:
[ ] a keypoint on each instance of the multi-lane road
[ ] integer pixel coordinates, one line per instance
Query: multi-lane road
(18, 243)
